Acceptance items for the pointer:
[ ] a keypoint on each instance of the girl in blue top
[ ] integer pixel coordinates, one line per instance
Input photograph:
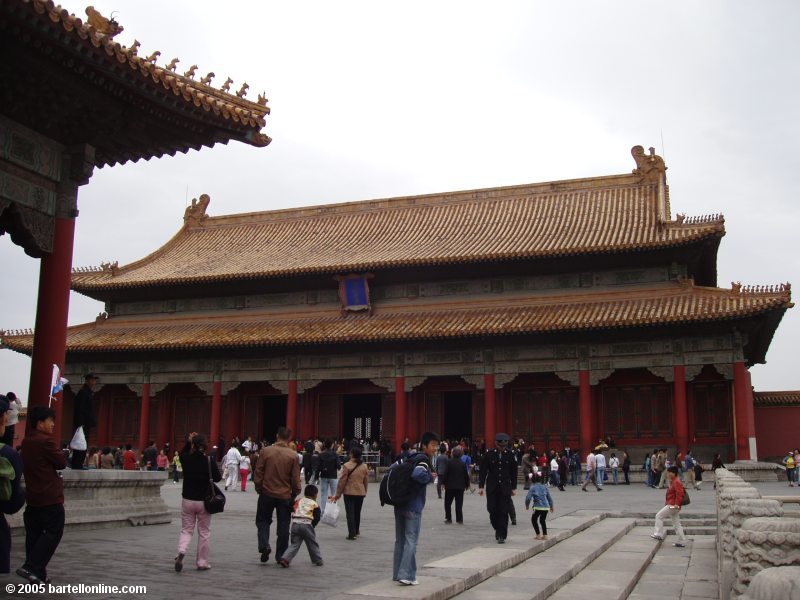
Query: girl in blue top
(542, 504)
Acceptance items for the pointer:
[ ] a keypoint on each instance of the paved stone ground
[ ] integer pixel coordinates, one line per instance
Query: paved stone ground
(144, 555)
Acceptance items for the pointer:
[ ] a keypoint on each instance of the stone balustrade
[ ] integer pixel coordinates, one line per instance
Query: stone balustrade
(754, 537)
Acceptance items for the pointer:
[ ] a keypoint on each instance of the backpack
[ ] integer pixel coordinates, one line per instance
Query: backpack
(575, 461)
(397, 487)
(328, 465)
(7, 475)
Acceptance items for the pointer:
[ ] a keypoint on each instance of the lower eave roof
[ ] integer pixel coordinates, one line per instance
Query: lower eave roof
(680, 304)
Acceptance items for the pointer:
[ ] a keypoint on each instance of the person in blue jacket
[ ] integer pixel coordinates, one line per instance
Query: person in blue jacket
(542, 501)
(17, 499)
(408, 518)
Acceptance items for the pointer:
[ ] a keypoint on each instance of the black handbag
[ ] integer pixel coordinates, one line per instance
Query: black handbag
(215, 499)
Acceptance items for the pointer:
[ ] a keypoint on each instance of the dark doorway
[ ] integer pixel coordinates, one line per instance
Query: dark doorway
(274, 416)
(457, 415)
(361, 416)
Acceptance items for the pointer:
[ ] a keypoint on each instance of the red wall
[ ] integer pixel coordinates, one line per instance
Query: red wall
(776, 430)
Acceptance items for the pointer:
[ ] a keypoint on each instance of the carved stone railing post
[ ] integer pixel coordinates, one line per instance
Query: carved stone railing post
(730, 488)
(764, 542)
(743, 509)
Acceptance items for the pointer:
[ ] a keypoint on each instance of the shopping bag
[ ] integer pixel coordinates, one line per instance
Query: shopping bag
(78, 440)
(331, 514)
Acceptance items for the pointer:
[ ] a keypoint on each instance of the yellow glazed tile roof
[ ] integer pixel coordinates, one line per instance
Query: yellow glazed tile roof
(587, 216)
(674, 304)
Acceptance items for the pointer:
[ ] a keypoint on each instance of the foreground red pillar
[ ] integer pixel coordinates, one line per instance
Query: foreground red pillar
(681, 408)
(745, 436)
(489, 409)
(216, 410)
(399, 412)
(144, 418)
(585, 410)
(52, 308)
(291, 408)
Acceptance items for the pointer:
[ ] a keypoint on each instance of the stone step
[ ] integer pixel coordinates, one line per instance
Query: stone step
(690, 522)
(613, 575)
(540, 576)
(454, 574)
(680, 573)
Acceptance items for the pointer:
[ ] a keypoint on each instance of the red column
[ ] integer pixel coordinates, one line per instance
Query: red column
(216, 410)
(399, 412)
(291, 407)
(681, 408)
(742, 412)
(165, 429)
(144, 418)
(751, 417)
(745, 436)
(52, 308)
(489, 408)
(585, 410)
(103, 411)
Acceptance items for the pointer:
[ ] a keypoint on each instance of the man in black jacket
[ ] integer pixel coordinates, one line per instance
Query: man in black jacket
(83, 416)
(455, 480)
(499, 474)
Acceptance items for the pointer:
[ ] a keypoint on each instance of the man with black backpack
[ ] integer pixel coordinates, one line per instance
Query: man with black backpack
(328, 472)
(403, 486)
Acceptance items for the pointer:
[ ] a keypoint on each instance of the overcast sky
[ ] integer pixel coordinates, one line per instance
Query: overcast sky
(377, 99)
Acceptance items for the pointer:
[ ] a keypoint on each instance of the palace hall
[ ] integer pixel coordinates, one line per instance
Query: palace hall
(561, 312)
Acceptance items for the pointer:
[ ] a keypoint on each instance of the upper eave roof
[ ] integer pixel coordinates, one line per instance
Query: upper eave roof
(232, 115)
(615, 214)
(674, 304)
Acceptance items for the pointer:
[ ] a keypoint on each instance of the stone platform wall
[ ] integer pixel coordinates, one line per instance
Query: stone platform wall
(101, 498)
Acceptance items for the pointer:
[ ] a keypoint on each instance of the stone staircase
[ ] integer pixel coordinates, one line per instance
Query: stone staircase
(589, 554)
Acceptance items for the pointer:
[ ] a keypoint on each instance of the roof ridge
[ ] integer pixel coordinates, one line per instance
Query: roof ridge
(475, 195)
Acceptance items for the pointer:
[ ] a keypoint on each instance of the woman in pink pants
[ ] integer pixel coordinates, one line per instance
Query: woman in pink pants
(196, 467)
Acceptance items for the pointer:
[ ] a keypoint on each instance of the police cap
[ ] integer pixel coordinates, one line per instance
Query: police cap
(502, 438)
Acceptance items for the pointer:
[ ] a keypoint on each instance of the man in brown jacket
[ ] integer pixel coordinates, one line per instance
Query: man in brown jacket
(277, 482)
(44, 513)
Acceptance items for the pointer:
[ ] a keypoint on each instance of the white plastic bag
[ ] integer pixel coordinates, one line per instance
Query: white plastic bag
(78, 440)
(331, 514)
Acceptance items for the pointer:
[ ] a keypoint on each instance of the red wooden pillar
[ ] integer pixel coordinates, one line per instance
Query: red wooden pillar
(751, 417)
(52, 308)
(291, 407)
(102, 421)
(216, 410)
(489, 407)
(144, 418)
(681, 408)
(745, 434)
(585, 410)
(399, 412)
(165, 429)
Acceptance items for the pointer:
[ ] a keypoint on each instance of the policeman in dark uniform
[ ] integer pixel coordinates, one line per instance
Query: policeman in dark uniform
(499, 474)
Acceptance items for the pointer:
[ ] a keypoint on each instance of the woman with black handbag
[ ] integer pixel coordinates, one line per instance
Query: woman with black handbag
(198, 473)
